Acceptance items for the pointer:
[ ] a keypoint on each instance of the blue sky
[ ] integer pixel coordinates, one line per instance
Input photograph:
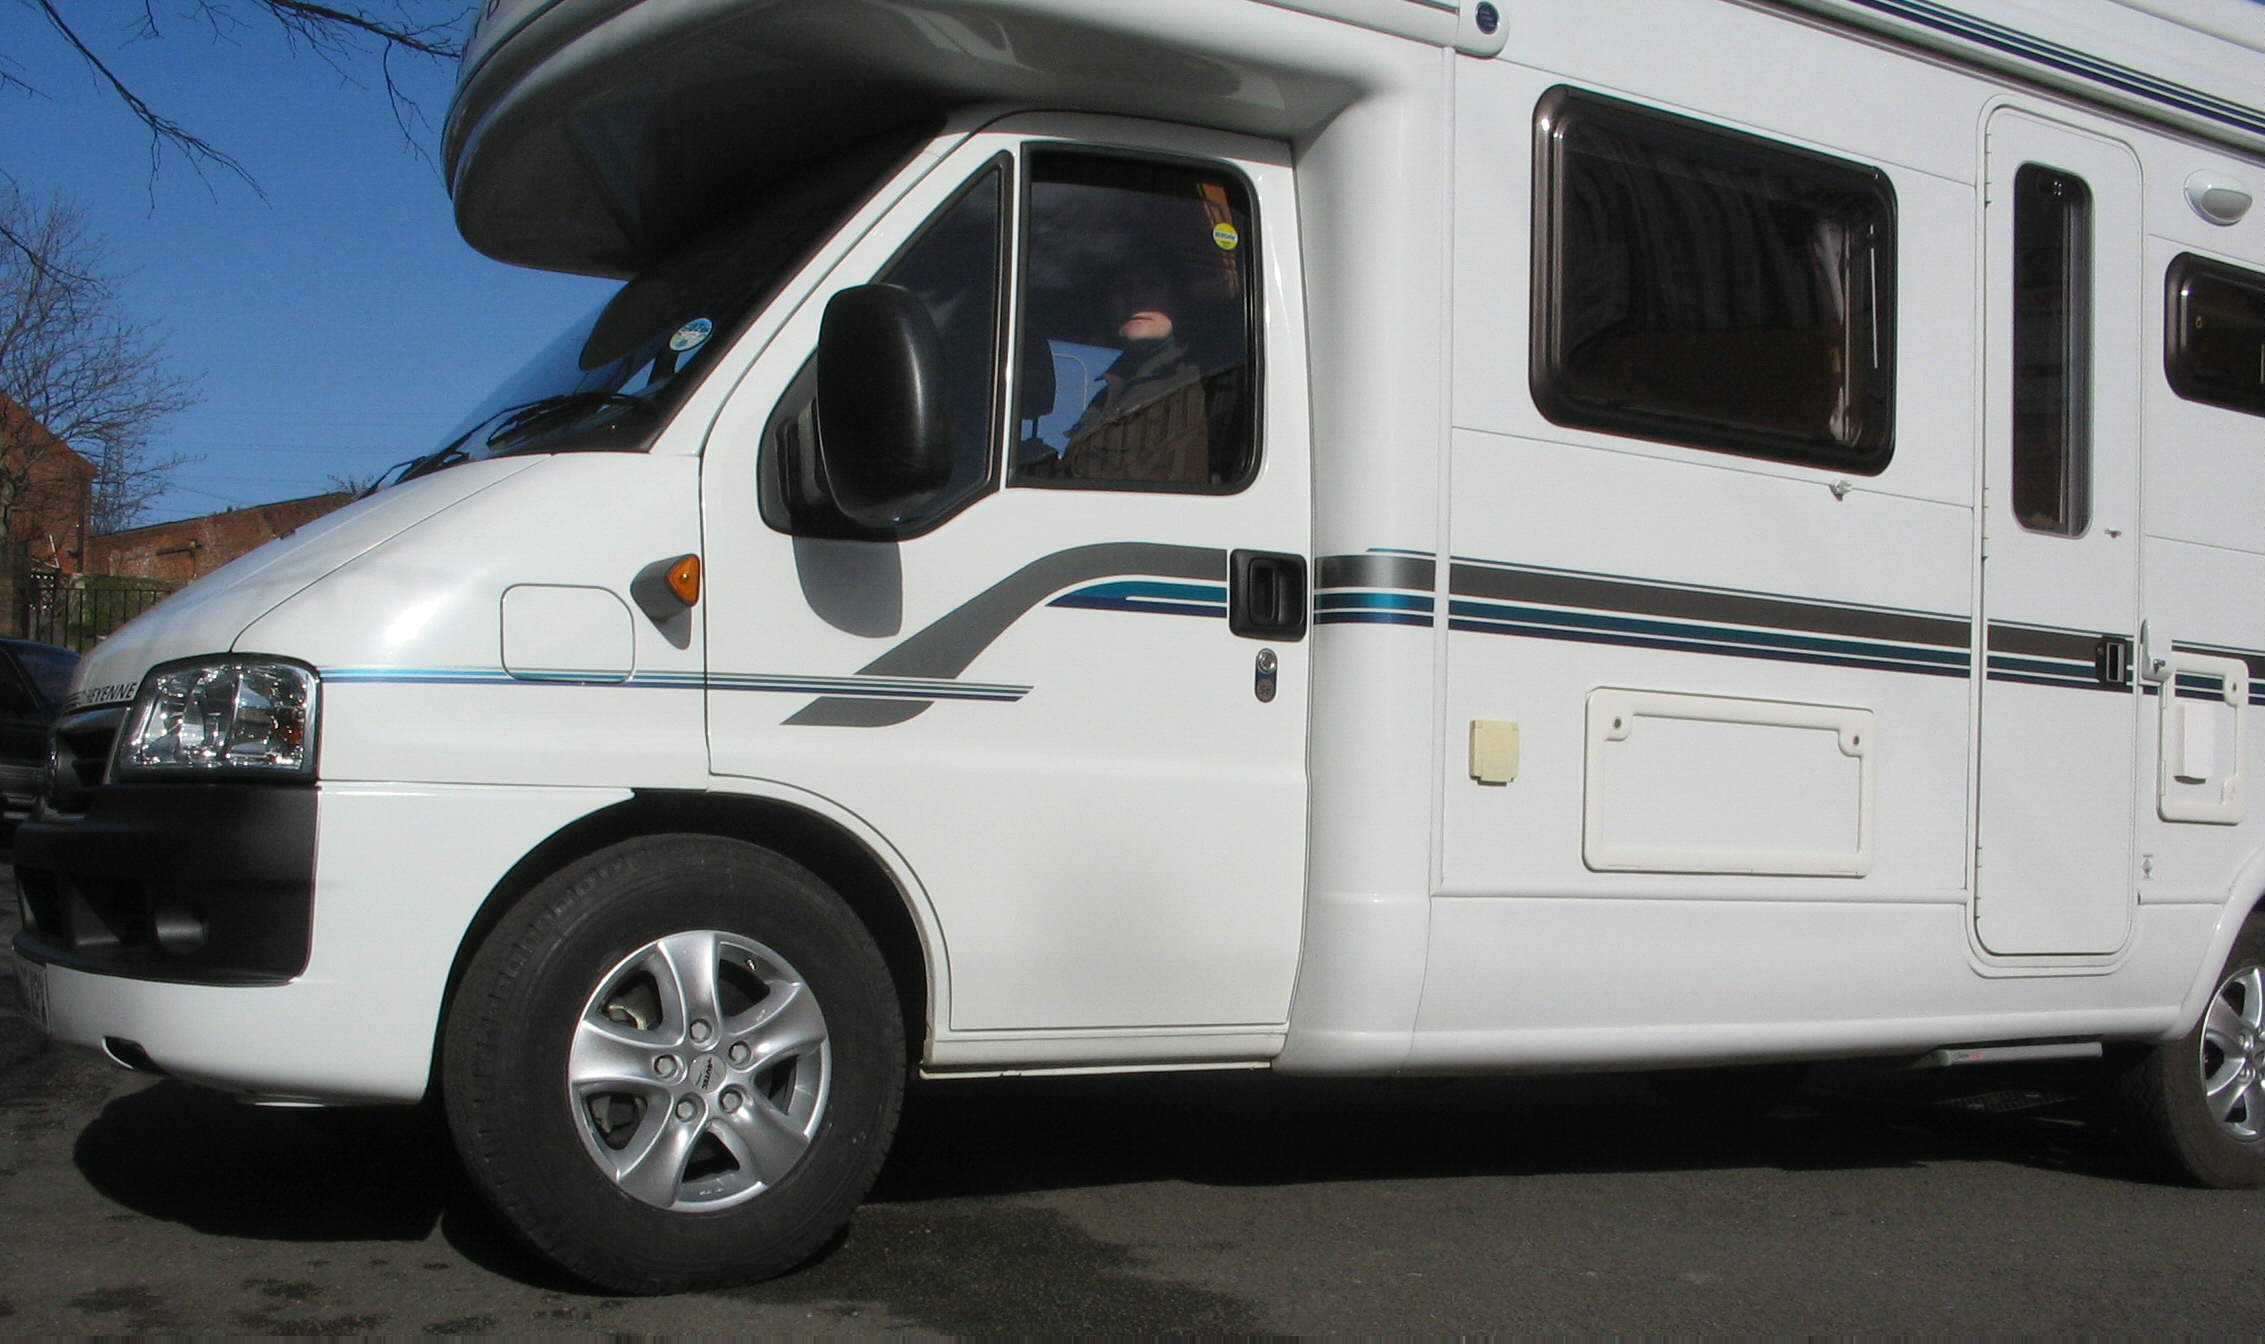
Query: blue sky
(339, 324)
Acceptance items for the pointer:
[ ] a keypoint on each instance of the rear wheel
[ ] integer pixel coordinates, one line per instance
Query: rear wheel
(2199, 1102)
(675, 1064)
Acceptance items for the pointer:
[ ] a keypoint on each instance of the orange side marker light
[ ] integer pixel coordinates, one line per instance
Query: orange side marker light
(684, 579)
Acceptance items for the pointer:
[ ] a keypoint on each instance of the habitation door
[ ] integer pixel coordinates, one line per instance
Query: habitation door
(2060, 540)
(1072, 698)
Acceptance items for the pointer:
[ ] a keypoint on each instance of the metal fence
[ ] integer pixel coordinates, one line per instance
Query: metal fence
(75, 610)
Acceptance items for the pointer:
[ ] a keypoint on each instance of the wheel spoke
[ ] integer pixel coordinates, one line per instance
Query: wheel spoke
(652, 1169)
(2224, 1090)
(2222, 1027)
(605, 1058)
(2251, 1014)
(765, 1141)
(689, 993)
(786, 1025)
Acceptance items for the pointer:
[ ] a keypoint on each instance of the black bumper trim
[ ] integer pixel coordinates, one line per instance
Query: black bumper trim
(195, 883)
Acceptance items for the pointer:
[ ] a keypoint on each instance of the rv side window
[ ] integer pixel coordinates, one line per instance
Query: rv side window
(2216, 327)
(1138, 347)
(1704, 287)
(2052, 351)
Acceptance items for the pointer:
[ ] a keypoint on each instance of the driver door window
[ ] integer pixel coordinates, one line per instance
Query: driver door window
(1137, 347)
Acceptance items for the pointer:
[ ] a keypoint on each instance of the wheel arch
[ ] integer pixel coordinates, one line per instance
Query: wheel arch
(2245, 900)
(832, 852)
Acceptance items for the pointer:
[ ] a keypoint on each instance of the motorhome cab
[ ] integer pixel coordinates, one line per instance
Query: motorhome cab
(1342, 536)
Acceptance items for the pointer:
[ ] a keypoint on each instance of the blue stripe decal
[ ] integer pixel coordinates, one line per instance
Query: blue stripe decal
(1686, 646)
(1373, 618)
(1149, 595)
(886, 688)
(2070, 61)
(1339, 599)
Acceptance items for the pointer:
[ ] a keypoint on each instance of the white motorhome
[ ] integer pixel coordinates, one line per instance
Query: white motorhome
(1341, 536)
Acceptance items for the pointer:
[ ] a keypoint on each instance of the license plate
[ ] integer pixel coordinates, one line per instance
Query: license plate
(31, 986)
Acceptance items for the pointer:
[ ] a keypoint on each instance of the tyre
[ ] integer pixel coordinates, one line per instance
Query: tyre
(2199, 1102)
(675, 1064)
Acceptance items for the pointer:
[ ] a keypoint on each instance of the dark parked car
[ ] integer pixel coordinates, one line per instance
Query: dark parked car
(33, 678)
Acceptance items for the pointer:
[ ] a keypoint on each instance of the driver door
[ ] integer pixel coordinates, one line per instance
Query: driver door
(1072, 695)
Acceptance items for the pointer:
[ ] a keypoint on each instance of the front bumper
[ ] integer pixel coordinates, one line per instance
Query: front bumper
(204, 883)
(398, 874)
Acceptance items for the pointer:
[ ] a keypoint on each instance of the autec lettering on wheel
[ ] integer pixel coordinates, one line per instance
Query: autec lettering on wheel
(675, 1064)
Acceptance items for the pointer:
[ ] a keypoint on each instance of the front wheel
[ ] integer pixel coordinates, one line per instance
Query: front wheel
(675, 1064)
(2199, 1102)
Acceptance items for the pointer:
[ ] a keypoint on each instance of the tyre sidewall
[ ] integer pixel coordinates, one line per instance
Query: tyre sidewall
(507, 1054)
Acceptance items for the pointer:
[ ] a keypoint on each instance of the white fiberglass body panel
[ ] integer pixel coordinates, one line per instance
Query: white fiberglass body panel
(410, 639)
(1584, 563)
(211, 614)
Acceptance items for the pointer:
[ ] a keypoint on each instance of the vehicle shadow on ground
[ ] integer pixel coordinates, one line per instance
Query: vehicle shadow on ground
(1025, 1136)
(196, 1158)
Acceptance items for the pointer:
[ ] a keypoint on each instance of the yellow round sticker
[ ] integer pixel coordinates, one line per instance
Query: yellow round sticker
(1226, 236)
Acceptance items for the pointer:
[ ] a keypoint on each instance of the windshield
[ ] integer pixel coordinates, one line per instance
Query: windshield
(609, 380)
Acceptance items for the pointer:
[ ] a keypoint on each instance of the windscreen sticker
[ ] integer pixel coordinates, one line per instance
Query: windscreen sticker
(1227, 236)
(692, 335)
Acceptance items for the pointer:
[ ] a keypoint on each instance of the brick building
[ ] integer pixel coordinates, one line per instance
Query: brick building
(45, 490)
(174, 553)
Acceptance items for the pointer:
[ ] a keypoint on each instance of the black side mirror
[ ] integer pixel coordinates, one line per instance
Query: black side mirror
(884, 428)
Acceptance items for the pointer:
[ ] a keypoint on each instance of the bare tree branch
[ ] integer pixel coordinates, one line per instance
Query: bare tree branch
(164, 131)
(344, 36)
(430, 38)
(77, 380)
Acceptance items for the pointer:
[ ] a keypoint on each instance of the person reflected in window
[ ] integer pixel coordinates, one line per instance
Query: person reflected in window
(1149, 421)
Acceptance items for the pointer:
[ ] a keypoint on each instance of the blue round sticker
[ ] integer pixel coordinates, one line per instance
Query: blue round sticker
(692, 335)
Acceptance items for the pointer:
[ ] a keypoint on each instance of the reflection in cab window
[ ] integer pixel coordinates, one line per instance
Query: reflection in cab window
(1137, 350)
(1699, 286)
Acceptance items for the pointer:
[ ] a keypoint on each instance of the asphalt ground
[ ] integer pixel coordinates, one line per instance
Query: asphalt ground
(1229, 1202)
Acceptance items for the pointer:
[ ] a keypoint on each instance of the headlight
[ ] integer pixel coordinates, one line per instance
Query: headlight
(245, 717)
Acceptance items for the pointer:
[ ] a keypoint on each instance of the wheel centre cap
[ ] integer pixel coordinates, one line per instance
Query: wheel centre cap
(706, 1073)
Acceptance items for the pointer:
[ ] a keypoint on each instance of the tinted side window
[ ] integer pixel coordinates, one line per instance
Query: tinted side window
(1704, 287)
(2216, 328)
(1138, 346)
(2052, 351)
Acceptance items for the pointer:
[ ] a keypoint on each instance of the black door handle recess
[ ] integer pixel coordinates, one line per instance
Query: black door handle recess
(1266, 595)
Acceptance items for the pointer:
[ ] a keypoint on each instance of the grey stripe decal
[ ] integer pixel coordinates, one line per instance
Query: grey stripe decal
(2073, 645)
(2256, 661)
(1375, 571)
(1714, 606)
(947, 645)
